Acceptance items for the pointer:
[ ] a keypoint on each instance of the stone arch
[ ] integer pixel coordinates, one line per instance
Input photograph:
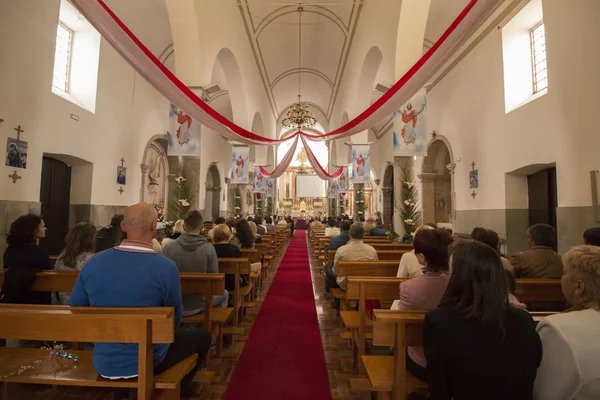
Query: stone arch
(226, 73)
(437, 181)
(213, 192)
(154, 191)
(367, 77)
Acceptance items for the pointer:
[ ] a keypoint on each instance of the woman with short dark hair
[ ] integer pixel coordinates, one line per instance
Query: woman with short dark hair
(425, 292)
(476, 345)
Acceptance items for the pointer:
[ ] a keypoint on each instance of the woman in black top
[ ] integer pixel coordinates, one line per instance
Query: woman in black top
(24, 254)
(476, 345)
(224, 249)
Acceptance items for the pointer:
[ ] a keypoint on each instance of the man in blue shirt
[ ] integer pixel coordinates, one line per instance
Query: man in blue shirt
(335, 243)
(133, 275)
(379, 230)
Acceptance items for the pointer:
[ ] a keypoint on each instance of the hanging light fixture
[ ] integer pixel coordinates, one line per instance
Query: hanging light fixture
(299, 115)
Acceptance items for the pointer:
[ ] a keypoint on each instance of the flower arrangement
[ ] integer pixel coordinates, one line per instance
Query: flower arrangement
(359, 199)
(183, 197)
(408, 207)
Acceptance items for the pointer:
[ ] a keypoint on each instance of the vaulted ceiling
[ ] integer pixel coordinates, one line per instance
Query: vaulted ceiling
(328, 27)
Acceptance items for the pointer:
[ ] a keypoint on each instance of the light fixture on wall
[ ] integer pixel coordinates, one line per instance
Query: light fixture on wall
(299, 115)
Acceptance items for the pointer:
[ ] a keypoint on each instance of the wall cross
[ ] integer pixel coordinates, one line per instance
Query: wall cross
(19, 131)
(14, 176)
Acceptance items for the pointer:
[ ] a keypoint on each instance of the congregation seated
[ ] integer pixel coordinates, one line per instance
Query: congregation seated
(79, 248)
(177, 231)
(492, 239)
(23, 258)
(191, 252)
(331, 230)
(569, 368)
(425, 292)
(269, 224)
(410, 267)
(109, 236)
(354, 250)
(243, 237)
(335, 243)
(254, 231)
(133, 275)
(260, 228)
(591, 237)
(369, 224)
(314, 223)
(540, 261)
(379, 230)
(282, 221)
(476, 345)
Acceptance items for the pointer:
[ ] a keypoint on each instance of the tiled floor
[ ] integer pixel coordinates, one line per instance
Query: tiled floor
(338, 356)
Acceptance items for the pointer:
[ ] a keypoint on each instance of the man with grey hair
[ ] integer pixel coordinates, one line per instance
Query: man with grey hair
(540, 261)
(134, 275)
(354, 250)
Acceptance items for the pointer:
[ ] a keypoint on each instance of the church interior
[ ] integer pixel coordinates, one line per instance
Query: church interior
(298, 120)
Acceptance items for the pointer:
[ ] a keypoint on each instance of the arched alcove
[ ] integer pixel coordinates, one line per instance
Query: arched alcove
(367, 78)
(155, 169)
(212, 193)
(388, 194)
(227, 74)
(437, 180)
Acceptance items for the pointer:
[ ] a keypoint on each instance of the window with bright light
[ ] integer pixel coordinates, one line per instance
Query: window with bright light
(538, 58)
(62, 58)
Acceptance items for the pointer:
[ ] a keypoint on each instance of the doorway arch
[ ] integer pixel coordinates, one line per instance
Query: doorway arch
(388, 194)
(437, 182)
(213, 191)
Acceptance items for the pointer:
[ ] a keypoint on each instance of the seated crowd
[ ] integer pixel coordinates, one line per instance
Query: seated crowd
(479, 340)
(123, 265)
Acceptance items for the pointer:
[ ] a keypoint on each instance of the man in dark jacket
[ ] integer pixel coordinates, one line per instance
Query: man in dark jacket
(107, 237)
(335, 243)
(379, 230)
(191, 252)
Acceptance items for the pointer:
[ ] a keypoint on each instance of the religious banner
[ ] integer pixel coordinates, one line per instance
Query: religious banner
(183, 135)
(240, 164)
(260, 182)
(361, 163)
(343, 181)
(410, 127)
(270, 187)
(332, 189)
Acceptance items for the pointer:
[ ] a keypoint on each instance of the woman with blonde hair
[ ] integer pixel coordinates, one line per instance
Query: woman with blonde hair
(571, 350)
(177, 231)
(254, 230)
(80, 247)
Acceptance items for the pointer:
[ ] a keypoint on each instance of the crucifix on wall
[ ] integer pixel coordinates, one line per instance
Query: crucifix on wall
(16, 150)
(473, 179)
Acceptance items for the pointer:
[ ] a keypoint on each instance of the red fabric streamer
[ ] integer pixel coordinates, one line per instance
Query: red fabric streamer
(319, 170)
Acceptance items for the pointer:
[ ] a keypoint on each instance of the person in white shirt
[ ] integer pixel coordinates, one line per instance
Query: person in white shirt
(331, 230)
(571, 350)
(409, 265)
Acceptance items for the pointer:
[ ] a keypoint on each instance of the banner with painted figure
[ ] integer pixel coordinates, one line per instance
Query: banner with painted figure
(361, 163)
(332, 189)
(410, 127)
(183, 135)
(260, 181)
(240, 164)
(344, 182)
(270, 187)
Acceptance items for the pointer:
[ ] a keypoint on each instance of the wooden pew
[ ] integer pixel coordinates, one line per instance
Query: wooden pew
(207, 285)
(387, 375)
(143, 326)
(237, 267)
(383, 255)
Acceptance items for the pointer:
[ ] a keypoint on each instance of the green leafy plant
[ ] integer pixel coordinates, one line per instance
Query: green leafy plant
(409, 203)
(359, 199)
(237, 204)
(183, 198)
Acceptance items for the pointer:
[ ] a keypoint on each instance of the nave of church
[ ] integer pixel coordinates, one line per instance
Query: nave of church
(213, 199)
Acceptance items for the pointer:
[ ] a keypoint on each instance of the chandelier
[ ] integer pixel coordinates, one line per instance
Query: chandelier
(299, 115)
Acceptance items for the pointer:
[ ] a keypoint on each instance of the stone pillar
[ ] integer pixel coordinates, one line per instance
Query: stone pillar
(451, 167)
(428, 200)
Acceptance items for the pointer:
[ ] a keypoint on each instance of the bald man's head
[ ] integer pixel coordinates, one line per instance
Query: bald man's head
(139, 222)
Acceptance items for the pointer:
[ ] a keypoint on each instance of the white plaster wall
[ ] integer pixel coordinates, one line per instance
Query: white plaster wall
(467, 107)
(128, 110)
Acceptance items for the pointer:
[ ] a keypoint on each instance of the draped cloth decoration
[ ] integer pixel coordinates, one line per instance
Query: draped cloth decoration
(285, 162)
(143, 61)
(319, 170)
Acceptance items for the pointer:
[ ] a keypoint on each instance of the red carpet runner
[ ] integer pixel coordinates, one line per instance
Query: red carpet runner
(283, 357)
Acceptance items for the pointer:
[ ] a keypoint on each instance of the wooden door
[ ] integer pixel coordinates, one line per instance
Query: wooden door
(55, 194)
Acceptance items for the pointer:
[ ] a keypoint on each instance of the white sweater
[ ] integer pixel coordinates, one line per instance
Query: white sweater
(570, 366)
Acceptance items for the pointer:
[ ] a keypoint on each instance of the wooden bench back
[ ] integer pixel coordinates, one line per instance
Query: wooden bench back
(237, 267)
(373, 288)
(391, 246)
(383, 255)
(87, 324)
(529, 289)
(367, 268)
(250, 254)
